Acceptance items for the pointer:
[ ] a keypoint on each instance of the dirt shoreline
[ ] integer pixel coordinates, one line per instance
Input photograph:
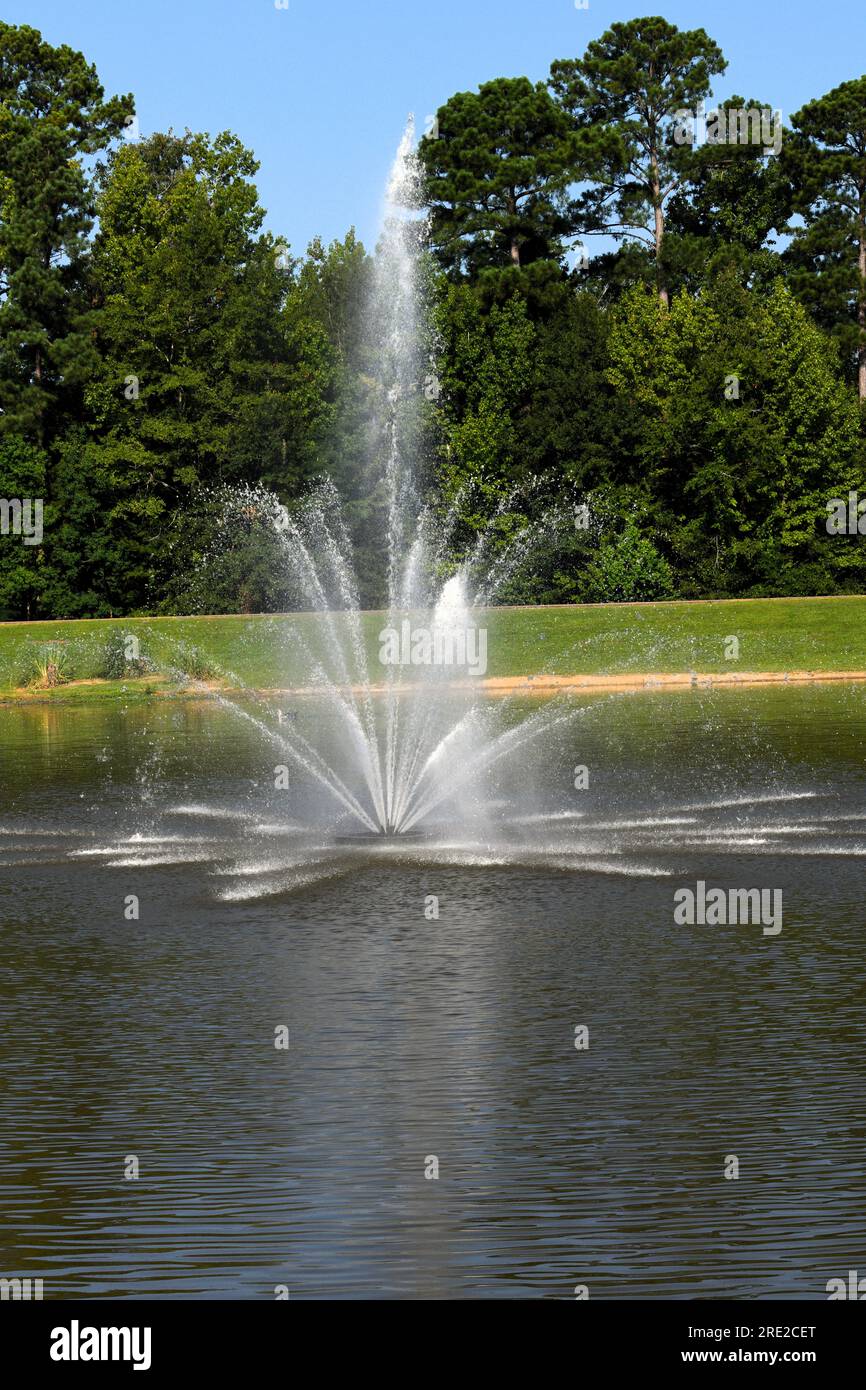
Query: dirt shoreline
(628, 682)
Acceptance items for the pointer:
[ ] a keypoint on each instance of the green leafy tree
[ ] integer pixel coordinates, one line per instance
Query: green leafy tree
(826, 163)
(228, 557)
(529, 428)
(53, 115)
(487, 376)
(22, 566)
(203, 378)
(747, 430)
(623, 97)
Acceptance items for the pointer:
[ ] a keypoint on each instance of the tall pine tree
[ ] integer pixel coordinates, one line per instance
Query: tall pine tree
(623, 97)
(826, 162)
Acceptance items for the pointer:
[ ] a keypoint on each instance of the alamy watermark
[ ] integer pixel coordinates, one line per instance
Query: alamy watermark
(846, 518)
(734, 125)
(17, 1289)
(77, 1343)
(439, 645)
(717, 907)
(854, 1288)
(22, 516)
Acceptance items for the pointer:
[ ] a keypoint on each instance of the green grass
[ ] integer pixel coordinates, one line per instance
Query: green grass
(263, 651)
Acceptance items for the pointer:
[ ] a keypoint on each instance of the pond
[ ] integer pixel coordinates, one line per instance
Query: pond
(242, 1055)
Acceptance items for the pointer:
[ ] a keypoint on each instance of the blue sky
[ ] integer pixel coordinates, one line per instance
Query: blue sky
(320, 91)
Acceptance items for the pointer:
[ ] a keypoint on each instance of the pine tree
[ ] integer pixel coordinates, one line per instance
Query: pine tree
(623, 97)
(826, 161)
(497, 166)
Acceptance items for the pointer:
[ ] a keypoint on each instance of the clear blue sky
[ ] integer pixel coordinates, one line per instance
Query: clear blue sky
(321, 91)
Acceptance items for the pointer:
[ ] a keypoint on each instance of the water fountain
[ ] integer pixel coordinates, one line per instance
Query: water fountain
(414, 734)
(394, 748)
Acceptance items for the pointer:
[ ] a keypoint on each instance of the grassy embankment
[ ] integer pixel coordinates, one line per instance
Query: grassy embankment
(611, 639)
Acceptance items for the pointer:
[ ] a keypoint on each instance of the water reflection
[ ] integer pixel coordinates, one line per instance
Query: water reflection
(412, 1037)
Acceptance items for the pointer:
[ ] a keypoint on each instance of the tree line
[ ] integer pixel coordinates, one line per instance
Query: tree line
(700, 387)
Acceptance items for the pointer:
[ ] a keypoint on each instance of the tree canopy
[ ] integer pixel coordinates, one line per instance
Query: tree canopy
(698, 390)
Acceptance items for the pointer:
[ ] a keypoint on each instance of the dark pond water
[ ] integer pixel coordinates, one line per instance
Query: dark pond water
(413, 1037)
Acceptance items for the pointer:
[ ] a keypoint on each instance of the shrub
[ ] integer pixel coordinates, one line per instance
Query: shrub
(189, 661)
(628, 569)
(116, 664)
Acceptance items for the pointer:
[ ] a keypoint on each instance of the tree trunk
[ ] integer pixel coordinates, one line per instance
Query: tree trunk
(659, 215)
(40, 420)
(515, 249)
